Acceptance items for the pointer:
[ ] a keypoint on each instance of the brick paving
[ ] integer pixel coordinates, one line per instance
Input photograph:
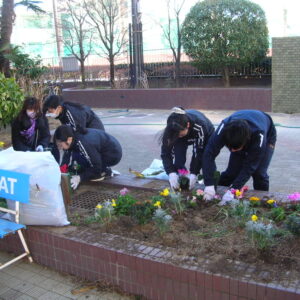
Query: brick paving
(25, 281)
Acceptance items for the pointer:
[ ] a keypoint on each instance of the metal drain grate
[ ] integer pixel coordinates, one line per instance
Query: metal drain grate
(89, 200)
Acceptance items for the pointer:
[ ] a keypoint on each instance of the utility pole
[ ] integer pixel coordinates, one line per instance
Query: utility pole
(136, 39)
(57, 37)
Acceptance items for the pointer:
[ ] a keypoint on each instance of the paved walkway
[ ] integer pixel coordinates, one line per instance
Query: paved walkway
(138, 131)
(25, 281)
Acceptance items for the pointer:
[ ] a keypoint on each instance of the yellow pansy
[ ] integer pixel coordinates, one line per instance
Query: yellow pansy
(254, 218)
(99, 206)
(238, 193)
(113, 203)
(165, 192)
(2, 144)
(157, 204)
(254, 199)
(271, 201)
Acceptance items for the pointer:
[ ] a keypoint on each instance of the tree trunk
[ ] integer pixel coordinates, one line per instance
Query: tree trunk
(226, 77)
(112, 71)
(177, 69)
(82, 71)
(7, 19)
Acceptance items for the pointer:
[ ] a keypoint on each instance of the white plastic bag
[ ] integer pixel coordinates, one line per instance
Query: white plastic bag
(46, 206)
(156, 167)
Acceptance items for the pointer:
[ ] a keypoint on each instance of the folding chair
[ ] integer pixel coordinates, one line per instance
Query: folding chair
(9, 227)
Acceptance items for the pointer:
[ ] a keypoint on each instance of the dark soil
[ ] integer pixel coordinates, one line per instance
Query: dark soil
(203, 233)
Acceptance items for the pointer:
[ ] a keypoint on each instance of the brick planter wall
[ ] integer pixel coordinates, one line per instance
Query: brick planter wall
(139, 269)
(196, 98)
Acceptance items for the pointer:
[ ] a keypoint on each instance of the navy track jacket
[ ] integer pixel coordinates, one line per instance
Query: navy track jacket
(92, 150)
(76, 116)
(198, 135)
(263, 133)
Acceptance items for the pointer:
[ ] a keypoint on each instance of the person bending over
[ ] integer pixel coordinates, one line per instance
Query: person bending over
(184, 128)
(73, 114)
(88, 154)
(250, 136)
(30, 129)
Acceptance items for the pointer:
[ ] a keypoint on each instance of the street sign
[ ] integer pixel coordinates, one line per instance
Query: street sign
(14, 186)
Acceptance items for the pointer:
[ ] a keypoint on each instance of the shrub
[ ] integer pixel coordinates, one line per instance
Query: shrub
(293, 224)
(277, 214)
(162, 220)
(11, 100)
(262, 234)
(142, 211)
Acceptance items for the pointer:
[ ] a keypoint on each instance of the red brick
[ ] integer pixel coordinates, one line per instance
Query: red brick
(251, 291)
(243, 289)
(209, 295)
(200, 279)
(260, 292)
(208, 281)
(217, 283)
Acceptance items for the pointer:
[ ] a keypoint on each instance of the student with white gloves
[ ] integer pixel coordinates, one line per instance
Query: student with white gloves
(89, 154)
(250, 136)
(184, 128)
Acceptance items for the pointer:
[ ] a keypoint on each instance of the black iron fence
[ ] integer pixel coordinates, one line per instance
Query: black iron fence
(157, 64)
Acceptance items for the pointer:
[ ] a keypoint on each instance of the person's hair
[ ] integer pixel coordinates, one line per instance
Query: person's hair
(176, 122)
(53, 101)
(29, 103)
(63, 132)
(236, 133)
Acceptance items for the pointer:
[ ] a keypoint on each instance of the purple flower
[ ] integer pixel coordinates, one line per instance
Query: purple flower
(124, 191)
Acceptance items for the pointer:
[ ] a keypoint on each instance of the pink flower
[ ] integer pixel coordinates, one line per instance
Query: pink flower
(199, 192)
(124, 191)
(294, 196)
(183, 172)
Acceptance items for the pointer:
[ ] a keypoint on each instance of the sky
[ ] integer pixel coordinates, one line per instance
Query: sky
(156, 10)
(274, 10)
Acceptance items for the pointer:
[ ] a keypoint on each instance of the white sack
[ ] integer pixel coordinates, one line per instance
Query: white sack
(156, 166)
(46, 206)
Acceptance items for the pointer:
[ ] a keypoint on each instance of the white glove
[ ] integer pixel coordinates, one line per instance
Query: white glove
(173, 179)
(227, 197)
(39, 148)
(193, 179)
(75, 180)
(209, 193)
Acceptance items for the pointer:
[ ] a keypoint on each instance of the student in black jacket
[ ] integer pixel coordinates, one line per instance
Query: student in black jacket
(73, 114)
(184, 128)
(89, 153)
(250, 136)
(30, 129)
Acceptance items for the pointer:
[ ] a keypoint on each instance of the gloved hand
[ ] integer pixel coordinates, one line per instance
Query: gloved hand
(173, 179)
(227, 197)
(75, 180)
(193, 179)
(209, 193)
(39, 148)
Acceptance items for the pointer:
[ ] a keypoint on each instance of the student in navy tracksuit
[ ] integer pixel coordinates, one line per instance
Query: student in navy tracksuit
(184, 128)
(250, 136)
(89, 153)
(73, 114)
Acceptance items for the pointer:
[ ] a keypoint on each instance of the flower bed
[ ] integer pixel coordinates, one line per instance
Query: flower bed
(250, 230)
